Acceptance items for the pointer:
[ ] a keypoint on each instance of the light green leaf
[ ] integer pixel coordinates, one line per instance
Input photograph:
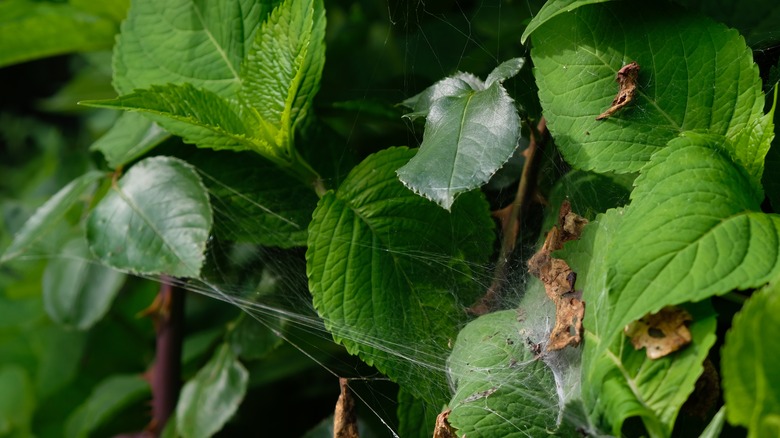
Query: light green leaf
(501, 389)
(467, 139)
(77, 292)
(159, 207)
(716, 424)
(181, 41)
(750, 147)
(197, 115)
(104, 403)
(129, 138)
(254, 201)
(17, 402)
(550, 10)
(49, 215)
(460, 84)
(693, 230)
(212, 396)
(33, 30)
(504, 71)
(619, 382)
(422, 263)
(717, 89)
(751, 383)
(282, 69)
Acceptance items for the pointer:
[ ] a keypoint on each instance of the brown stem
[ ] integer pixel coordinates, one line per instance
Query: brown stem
(166, 373)
(511, 217)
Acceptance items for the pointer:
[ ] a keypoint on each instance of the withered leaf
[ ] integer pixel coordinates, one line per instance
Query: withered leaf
(443, 429)
(345, 417)
(559, 279)
(626, 79)
(661, 333)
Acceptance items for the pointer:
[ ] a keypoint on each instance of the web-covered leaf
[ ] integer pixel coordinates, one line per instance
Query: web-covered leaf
(751, 384)
(159, 207)
(501, 387)
(379, 254)
(471, 130)
(716, 89)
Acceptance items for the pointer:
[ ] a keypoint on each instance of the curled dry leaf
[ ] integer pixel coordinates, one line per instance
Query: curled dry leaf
(344, 417)
(661, 333)
(559, 279)
(443, 428)
(626, 79)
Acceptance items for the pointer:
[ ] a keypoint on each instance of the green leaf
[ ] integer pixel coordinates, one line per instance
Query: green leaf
(254, 201)
(17, 402)
(212, 396)
(716, 89)
(282, 69)
(254, 339)
(197, 115)
(415, 417)
(128, 139)
(158, 207)
(181, 41)
(619, 382)
(77, 292)
(469, 135)
(33, 30)
(49, 215)
(501, 389)
(379, 254)
(693, 230)
(107, 400)
(758, 23)
(751, 384)
(550, 10)
(716, 425)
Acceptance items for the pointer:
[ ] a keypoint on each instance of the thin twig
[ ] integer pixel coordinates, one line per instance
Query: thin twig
(511, 217)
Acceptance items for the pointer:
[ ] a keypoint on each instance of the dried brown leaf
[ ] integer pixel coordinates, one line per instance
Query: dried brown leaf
(626, 79)
(559, 279)
(443, 428)
(661, 333)
(345, 417)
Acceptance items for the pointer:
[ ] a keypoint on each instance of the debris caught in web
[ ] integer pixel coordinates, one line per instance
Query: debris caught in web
(559, 279)
(626, 79)
(344, 417)
(661, 333)
(443, 429)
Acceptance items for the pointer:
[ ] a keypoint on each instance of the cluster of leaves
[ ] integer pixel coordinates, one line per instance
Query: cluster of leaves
(395, 245)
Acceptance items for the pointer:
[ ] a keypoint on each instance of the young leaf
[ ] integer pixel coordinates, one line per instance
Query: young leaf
(468, 136)
(131, 136)
(716, 89)
(751, 384)
(282, 69)
(197, 115)
(158, 207)
(77, 292)
(106, 400)
(500, 388)
(551, 9)
(32, 30)
(181, 41)
(379, 254)
(49, 215)
(209, 400)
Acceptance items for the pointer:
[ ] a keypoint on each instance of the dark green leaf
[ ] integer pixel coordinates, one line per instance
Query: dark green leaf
(751, 384)
(32, 30)
(716, 88)
(17, 401)
(212, 396)
(415, 417)
(49, 215)
(104, 403)
(77, 292)
(130, 137)
(159, 207)
(422, 263)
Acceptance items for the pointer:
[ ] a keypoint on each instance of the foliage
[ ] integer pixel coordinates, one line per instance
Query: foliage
(246, 167)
